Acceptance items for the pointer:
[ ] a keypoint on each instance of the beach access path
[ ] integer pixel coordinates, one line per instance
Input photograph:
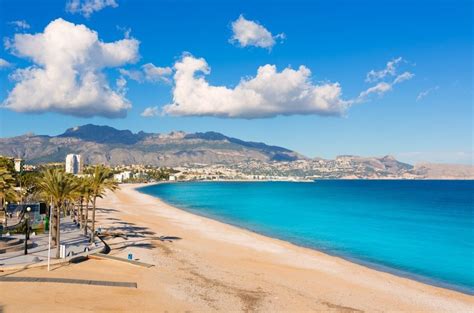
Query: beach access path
(202, 265)
(71, 236)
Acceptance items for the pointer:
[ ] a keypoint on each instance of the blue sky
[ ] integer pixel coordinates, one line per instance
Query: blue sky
(426, 117)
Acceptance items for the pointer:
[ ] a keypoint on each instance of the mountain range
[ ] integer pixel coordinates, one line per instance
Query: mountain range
(104, 144)
(107, 145)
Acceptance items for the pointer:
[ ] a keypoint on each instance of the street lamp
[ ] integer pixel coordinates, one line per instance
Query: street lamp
(27, 228)
(5, 219)
(6, 213)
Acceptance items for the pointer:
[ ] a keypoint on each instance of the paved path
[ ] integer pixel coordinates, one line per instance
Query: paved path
(68, 281)
(71, 236)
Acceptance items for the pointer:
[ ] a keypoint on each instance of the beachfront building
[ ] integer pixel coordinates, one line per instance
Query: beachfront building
(18, 165)
(74, 164)
(122, 176)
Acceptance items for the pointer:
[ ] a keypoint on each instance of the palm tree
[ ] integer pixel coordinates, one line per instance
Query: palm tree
(84, 195)
(29, 184)
(58, 186)
(101, 181)
(7, 187)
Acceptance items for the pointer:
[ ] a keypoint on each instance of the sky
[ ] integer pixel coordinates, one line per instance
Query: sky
(324, 78)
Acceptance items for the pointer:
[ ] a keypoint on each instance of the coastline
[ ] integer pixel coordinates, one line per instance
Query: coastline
(204, 265)
(305, 257)
(371, 265)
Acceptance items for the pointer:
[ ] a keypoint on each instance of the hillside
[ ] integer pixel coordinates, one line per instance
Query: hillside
(107, 145)
(104, 144)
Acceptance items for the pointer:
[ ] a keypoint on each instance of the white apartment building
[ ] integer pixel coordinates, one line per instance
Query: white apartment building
(123, 176)
(172, 178)
(18, 165)
(74, 164)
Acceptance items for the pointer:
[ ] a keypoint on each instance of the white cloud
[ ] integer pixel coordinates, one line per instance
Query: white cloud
(403, 77)
(379, 89)
(20, 24)
(67, 75)
(150, 112)
(381, 76)
(383, 87)
(250, 33)
(268, 94)
(132, 74)
(154, 73)
(121, 84)
(87, 7)
(125, 30)
(148, 72)
(4, 63)
(425, 93)
(389, 70)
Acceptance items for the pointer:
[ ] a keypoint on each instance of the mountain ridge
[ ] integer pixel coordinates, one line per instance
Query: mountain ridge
(110, 146)
(89, 139)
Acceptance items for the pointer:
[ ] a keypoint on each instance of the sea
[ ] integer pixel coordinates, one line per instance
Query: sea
(421, 229)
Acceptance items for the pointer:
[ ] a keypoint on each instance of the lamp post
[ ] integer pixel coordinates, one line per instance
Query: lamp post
(5, 219)
(6, 214)
(27, 228)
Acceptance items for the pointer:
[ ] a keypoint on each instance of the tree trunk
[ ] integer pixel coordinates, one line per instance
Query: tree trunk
(5, 222)
(81, 212)
(58, 231)
(53, 225)
(86, 218)
(93, 220)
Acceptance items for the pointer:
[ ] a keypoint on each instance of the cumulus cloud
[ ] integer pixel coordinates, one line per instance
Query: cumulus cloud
(125, 30)
(426, 92)
(132, 74)
(250, 33)
(148, 72)
(155, 73)
(4, 63)
(20, 24)
(389, 70)
(87, 7)
(121, 84)
(268, 94)
(68, 72)
(150, 112)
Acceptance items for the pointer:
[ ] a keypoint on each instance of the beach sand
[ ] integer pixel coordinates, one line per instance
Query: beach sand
(215, 267)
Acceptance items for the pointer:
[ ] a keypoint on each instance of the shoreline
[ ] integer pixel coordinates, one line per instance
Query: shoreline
(368, 264)
(307, 258)
(203, 265)
(308, 180)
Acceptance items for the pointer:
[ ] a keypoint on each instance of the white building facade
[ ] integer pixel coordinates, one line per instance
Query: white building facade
(18, 165)
(74, 164)
(123, 176)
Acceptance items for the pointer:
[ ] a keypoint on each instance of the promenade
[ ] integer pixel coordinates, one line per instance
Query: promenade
(71, 236)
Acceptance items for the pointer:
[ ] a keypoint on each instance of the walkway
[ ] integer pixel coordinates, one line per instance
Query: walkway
(68, 281)
(71, 236)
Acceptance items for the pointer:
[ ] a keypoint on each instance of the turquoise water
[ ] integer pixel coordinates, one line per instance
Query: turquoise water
(422, 229)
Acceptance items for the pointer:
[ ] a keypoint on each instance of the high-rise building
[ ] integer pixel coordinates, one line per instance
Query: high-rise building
(74, 164)
(18, 165)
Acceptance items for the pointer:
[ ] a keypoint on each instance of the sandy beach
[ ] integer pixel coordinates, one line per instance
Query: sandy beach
(202, 265)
